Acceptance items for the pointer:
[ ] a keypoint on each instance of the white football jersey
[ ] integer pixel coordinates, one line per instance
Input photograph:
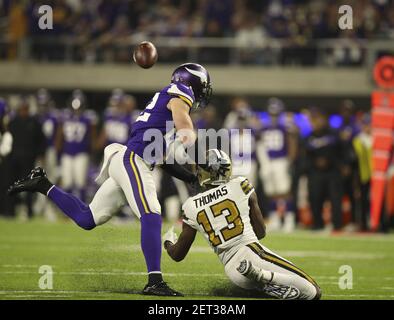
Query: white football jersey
(221, 214)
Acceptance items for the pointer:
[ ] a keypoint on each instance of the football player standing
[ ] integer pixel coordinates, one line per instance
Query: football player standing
(76, 134)
(119, 117)
(276, 150)
(127, 173)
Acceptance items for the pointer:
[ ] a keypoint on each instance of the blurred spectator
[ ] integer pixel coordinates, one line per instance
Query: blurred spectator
(243, 147)
(49, 118)
(5, 149)
(322, 156)
(27, 147)
(250, 34)
(362, 144)
(347, 131)
(239, 105)
(208, 118)
(17, 26)
(100, 24)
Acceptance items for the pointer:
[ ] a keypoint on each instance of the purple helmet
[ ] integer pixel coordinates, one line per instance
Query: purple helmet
(43, 96)
(275, 106)
(197, 77)
(78, 100)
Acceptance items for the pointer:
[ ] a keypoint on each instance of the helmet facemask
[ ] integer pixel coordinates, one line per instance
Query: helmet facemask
(219, 169)
(202, 100)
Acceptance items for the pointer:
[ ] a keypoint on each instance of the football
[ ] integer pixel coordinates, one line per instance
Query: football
(145, 54)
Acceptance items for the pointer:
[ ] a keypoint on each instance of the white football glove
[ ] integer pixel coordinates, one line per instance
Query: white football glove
(170, 236)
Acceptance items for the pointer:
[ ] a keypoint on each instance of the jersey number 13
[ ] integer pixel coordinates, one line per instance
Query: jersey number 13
(234, 227)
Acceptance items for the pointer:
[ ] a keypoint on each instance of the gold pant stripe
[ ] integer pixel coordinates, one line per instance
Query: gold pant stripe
(139, 183)
(247, 189)
(244, 183)
(256, 248)
(290, 265)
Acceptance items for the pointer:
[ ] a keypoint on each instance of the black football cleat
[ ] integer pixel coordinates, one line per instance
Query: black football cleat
(34, 182)
(160, 289)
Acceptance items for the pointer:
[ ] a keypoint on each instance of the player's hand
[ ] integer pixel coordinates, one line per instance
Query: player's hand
(170, 236)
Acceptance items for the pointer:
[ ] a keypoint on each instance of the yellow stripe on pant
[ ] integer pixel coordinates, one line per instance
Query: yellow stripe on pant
(256, 248)
(139, 184)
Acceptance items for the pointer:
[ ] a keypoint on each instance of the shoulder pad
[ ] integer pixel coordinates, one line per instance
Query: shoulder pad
(181, 91)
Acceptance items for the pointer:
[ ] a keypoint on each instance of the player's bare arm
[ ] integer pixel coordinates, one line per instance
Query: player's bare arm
(179, 250)
(186, 137)
(182, 121)
(256, 217)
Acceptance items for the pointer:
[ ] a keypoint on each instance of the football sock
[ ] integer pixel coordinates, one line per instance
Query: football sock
(290, 206)
(154, 278)
(151, 244)
(72, 207)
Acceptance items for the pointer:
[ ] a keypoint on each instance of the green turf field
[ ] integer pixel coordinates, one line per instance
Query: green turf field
(107, 263)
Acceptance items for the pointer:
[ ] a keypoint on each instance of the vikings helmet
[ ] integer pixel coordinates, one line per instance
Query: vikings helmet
(197, 77)
(43, 97)
(78, 100)
(219, 169)
(275, 106)
(116, 97)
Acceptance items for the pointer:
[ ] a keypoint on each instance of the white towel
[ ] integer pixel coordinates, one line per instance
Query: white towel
(109, 152)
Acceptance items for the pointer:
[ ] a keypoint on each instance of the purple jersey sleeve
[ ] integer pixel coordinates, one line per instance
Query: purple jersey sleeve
(181, 91)
(157, 118)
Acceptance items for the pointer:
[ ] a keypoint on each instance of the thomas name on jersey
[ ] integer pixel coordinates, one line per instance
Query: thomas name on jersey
(204, 200)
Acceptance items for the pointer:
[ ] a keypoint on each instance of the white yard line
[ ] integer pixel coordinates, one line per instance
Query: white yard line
(125, 273)
(359, 296)
(358, 255)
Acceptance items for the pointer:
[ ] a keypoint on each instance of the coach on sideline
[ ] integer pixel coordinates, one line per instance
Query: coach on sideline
(28, 145)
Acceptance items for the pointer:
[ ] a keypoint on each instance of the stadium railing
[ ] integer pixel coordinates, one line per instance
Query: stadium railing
(323, 52)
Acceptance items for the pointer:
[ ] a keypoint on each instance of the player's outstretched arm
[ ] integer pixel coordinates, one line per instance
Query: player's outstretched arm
(178, 250)
(186, 136)
(256, 217)
(182, 121)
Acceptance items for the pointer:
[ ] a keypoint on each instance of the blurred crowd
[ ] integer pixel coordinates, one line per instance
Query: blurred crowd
(99, 29)
(309, 171)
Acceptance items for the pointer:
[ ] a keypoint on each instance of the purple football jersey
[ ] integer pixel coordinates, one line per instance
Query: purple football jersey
(2, 108)
(156, 115)
(49, 121)
(76, 131)
(275, 140)
(351, 129)
(117, 126)
(243, 145)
